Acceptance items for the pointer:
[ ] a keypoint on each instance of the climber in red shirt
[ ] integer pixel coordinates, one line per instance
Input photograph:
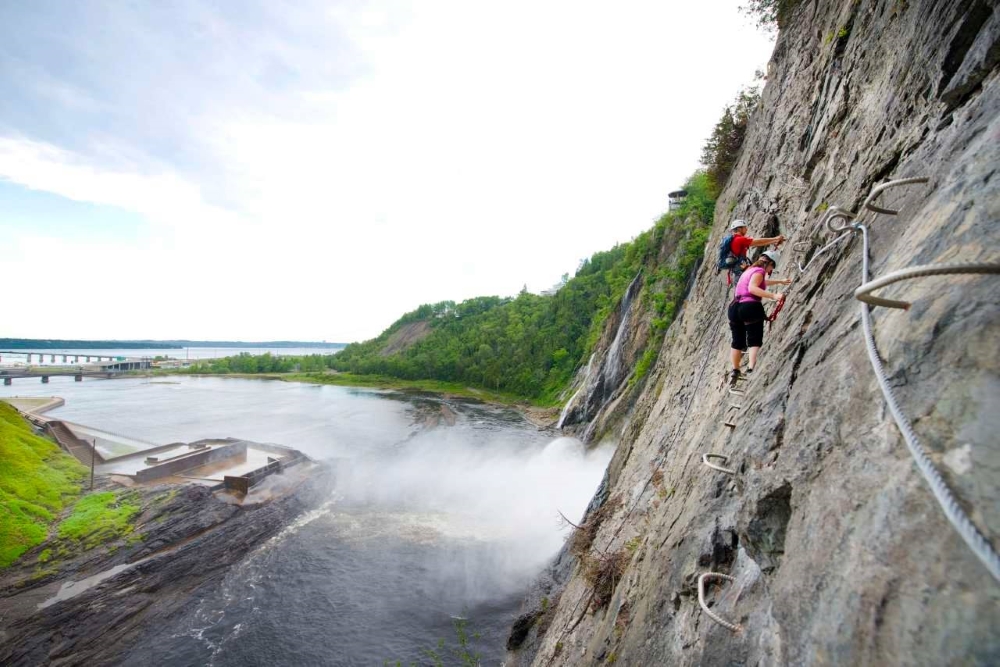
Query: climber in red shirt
(741, 243)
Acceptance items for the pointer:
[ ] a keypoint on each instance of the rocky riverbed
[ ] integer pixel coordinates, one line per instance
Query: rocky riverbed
(90, 606)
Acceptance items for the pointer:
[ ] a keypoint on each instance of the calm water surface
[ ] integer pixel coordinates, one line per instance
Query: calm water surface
(423, 524)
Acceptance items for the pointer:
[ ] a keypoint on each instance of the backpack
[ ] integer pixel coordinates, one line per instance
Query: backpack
(727, 260)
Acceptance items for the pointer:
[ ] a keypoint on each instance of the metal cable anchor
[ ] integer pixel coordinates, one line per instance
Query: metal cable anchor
(849, 228)
(735, 627)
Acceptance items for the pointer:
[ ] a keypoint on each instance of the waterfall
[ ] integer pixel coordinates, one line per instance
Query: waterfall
(572, 399)
(605, 380)
(612, 363)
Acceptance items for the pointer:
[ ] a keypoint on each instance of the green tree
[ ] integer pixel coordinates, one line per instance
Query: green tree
(722, 149)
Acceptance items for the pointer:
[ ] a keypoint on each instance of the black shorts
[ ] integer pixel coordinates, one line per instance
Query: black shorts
(746, 322)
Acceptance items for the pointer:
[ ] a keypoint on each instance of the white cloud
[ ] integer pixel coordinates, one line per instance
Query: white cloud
(164, 198)
(478, 148)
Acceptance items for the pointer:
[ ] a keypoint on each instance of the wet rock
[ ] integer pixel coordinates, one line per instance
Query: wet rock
(185, 541)
(522, 626)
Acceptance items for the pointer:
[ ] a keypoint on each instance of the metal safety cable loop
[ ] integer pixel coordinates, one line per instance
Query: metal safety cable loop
(978, 543)
(735, 627)
(864, 293)
(827, 247)
(835, 212)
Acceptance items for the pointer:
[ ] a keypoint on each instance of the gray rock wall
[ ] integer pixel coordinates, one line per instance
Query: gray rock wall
(840, 553)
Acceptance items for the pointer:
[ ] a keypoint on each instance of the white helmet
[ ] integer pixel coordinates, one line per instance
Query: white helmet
(772, 255)
(736, 224)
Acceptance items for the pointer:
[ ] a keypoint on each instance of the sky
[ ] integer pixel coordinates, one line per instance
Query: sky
(311, 170)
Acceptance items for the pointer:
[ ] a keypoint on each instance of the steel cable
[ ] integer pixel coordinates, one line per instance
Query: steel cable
(949, 505)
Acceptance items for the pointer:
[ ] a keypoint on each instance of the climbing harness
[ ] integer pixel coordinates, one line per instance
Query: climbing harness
(735, 627)
(959, 520)
(705, 458)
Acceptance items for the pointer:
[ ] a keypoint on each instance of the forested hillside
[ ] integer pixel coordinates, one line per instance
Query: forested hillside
(531, 345)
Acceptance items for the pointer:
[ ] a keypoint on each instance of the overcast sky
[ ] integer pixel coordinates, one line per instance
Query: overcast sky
(310, 170)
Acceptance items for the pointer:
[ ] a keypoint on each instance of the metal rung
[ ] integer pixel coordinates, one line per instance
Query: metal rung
(735, 627)
(731, 424)
(876, 191)
(705, 459)
(736, 405)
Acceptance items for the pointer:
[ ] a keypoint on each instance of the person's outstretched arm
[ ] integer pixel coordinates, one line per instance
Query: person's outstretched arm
(779, 239)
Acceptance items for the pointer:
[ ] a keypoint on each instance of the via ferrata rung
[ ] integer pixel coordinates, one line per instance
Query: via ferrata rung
(706, 459)
(735, 627)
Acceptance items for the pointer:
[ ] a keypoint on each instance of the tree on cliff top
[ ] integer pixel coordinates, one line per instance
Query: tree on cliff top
(723, 146)
(769, 14)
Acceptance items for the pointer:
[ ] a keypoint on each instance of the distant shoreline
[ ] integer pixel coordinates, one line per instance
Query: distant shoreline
(59, 344)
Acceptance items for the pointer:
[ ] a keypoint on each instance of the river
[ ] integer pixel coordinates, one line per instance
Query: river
(50, 357)
(423, 524)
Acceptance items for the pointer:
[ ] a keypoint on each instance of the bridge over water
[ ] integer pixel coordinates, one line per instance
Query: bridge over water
(106, 369)
(65, 357)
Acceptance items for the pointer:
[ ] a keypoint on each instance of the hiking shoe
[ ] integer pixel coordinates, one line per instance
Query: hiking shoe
(748, 373)
(734, 377)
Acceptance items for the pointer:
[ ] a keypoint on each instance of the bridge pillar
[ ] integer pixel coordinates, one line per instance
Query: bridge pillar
(29, 357)
(45, 379)
(64, 358)
(88, 359)
(76, 359)
(53, 358)
(78, 377)
(8, 381)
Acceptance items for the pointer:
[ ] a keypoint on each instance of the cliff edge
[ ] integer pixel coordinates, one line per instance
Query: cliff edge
(837, 549)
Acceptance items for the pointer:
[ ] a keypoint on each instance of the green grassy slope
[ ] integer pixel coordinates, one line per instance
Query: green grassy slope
(37, 480)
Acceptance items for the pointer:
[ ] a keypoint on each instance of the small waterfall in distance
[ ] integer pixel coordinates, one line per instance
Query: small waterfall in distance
(572, 399)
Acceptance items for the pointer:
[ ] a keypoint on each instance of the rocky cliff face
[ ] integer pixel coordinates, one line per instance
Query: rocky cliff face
(838, 551)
